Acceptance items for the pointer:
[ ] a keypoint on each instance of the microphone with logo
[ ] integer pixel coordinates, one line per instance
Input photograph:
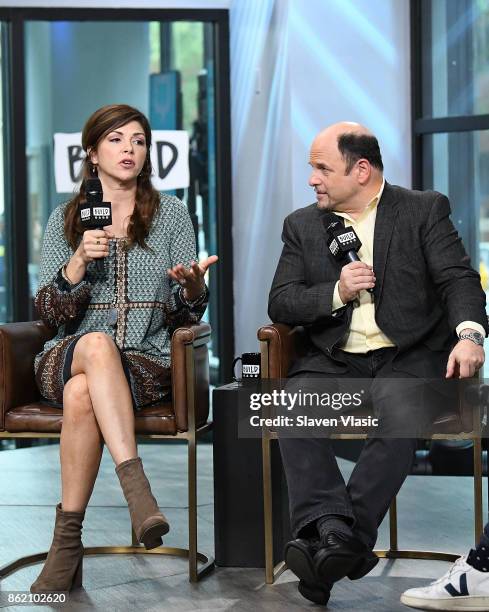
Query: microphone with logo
(343, 242)
(95, 213)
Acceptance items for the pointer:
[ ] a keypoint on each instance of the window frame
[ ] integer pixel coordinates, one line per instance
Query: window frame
(421, 125)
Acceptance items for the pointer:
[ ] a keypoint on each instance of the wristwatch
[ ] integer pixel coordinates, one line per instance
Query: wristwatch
(475, 336)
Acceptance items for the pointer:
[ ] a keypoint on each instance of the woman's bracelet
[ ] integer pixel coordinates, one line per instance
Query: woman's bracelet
(198, 300)
(65, 275)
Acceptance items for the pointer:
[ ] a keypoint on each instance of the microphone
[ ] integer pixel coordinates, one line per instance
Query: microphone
(95, 213)
(343, 242)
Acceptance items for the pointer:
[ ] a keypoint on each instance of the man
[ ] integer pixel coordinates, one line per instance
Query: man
(425, 318)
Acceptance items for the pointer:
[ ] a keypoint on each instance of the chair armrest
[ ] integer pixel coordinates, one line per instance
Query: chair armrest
(19, 344)
(278, 349)
(195, 337)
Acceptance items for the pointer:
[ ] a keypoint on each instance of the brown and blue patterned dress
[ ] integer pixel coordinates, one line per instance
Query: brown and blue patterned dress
(133, 301)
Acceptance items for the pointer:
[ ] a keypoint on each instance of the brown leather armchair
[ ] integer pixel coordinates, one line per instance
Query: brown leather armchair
(184, 417)
(279, 346)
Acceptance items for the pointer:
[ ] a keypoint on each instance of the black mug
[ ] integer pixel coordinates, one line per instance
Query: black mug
(250, 366)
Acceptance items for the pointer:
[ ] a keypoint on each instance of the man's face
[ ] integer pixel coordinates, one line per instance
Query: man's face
(334, 189)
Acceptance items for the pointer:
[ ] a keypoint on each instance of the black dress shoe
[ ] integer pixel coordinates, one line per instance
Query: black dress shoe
(299, 558)
(364, 566)
(338, 556)
(314, 592)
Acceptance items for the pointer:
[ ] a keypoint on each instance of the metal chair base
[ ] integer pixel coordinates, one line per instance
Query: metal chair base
(430, 555)
(207, 562)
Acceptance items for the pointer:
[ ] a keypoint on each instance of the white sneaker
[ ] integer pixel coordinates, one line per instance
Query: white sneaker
(461, 588)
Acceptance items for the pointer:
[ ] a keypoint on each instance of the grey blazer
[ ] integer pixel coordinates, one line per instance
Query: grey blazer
(425, 284)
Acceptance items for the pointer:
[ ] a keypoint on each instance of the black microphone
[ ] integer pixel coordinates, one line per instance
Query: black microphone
(95, 213)
(343, 242)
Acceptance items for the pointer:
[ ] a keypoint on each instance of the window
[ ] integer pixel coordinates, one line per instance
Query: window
(451, 115)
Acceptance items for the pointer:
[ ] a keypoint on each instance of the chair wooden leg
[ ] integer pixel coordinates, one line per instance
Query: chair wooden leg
(393, 545)
(478, 520)
(267, 508)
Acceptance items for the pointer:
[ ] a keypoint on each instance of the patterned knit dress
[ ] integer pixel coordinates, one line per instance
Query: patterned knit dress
(133, 301)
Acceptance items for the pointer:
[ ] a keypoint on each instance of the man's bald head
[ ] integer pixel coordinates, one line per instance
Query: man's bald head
(353, 141)
(342, 127)
(328, 138)
(346, 166)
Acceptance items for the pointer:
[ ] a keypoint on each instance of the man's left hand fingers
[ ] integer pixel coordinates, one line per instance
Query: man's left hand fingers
(464, 369)
(468, 367)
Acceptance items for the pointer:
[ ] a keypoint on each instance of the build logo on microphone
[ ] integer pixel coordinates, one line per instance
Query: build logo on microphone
(346, 238)
(101, 211)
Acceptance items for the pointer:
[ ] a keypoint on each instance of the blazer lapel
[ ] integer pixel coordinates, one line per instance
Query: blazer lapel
(387, 211)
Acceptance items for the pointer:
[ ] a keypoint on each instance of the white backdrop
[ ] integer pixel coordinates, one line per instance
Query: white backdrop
(296, 67)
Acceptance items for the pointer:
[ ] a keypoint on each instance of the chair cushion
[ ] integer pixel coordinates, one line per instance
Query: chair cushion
(44, 418)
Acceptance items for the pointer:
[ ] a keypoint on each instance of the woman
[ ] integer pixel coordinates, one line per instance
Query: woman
(111, 354)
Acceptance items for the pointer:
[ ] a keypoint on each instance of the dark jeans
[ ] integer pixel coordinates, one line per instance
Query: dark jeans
(484, 540)
(316, 486)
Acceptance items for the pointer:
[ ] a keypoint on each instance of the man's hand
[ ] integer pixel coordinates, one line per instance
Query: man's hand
(354, 277)
(465, 359)
(192, 279)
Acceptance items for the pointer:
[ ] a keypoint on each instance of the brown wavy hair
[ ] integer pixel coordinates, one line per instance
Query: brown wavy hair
(102, 122)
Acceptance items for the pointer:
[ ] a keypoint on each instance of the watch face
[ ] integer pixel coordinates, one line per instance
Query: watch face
(475, 336)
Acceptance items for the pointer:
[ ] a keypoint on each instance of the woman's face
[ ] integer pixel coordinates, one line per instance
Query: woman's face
(120, 154)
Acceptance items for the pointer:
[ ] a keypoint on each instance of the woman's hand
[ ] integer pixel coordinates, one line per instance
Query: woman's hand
(192, 279)
(94, 245)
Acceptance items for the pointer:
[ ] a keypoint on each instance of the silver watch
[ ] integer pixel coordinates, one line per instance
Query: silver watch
(475, 336)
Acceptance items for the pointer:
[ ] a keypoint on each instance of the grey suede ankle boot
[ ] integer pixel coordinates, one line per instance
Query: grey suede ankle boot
(64, 565)
(148, 522)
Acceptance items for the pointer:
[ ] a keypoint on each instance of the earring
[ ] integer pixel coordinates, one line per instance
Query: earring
(93, 169)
